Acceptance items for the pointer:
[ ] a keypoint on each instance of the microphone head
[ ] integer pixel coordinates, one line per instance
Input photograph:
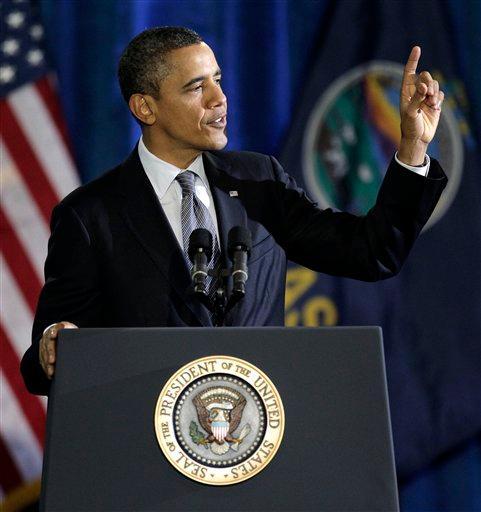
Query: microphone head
(239, 237)
(200, 239)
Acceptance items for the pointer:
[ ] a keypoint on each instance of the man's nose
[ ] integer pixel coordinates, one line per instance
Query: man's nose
(217, 97)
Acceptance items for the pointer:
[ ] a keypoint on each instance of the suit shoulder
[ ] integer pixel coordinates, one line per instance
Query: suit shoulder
(94, 191)
(246, 164)
(242, 156)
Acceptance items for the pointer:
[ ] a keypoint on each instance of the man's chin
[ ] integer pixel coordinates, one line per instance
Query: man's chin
(217, 144)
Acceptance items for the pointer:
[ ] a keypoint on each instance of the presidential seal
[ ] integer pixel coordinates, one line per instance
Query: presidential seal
(219, 420)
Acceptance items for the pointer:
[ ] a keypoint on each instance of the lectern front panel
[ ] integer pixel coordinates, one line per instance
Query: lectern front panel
(102, 451)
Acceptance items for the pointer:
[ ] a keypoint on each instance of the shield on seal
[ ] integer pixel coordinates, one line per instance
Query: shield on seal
(220, 430)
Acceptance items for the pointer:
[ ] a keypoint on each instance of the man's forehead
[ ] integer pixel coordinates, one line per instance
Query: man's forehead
(189, 61)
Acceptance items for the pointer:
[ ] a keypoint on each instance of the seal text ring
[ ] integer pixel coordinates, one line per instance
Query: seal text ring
(219, 420)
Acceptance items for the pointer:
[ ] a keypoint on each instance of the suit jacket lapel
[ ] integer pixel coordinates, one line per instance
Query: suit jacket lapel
(146, 218)
(229, 209)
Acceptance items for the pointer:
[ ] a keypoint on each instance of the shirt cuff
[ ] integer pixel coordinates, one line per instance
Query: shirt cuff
(422, 169)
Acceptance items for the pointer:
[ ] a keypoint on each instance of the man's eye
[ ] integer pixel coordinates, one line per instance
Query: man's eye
(218, 81)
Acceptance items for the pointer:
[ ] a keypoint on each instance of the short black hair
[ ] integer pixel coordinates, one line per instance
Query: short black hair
(143, 64)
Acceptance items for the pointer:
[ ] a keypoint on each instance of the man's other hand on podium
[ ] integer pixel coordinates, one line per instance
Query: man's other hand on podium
(48, 346)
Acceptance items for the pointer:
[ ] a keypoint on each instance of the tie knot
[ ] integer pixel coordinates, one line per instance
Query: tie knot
(186, 180)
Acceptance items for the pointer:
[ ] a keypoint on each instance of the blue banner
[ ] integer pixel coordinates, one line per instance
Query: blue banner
(344, 133)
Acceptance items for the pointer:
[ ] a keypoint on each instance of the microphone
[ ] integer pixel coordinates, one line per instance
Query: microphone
(200, 253)
(239, 244)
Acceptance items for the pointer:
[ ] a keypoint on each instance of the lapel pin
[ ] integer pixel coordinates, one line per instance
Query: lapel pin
(233, 193)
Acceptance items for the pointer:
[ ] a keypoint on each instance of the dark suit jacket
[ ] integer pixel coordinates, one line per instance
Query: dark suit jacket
(114, 261)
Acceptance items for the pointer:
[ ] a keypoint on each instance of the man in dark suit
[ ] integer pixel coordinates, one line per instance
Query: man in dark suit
(117, 256)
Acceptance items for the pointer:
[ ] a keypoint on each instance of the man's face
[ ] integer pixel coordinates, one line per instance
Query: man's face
(192, 109)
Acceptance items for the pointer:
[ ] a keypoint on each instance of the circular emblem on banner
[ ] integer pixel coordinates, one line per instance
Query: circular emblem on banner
(353, 132)
(219, 420)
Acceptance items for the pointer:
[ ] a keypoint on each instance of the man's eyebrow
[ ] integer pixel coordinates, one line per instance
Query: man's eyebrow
(200, 79)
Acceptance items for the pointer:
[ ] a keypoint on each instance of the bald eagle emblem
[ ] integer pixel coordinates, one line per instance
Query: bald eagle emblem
(219, 410)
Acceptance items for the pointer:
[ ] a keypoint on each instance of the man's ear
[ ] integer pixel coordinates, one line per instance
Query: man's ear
(143, 108)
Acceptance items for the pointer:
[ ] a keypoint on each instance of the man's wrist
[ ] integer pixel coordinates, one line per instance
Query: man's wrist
(412, 152)
(422, 170)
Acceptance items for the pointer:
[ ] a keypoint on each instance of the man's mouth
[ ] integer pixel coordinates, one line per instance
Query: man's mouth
(218, 122)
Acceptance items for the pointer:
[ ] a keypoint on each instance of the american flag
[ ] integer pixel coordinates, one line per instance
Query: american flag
(37, 170)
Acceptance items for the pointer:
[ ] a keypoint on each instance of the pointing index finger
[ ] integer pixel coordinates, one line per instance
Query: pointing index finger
(412, 63)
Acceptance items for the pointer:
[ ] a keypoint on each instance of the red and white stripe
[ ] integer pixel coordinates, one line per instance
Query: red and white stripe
(37, 171)
(220, 431)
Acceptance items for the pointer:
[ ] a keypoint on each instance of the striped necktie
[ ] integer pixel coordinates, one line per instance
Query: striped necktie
(194, 215)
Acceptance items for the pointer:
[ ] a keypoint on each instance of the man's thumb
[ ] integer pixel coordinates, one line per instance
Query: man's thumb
(68, 325)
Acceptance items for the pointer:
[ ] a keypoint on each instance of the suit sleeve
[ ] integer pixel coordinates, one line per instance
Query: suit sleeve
(369, 247)
(71, 291)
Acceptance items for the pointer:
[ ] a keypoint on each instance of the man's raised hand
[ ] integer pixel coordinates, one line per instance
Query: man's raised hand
(48, 347)
(420, 109)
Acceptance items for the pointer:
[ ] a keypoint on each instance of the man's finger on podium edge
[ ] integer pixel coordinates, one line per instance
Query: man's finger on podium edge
(50, 344)
(50, 370)
(43, 355)
(43, 349)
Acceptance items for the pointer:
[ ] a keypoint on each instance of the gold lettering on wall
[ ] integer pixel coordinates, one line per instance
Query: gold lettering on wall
(310, 311)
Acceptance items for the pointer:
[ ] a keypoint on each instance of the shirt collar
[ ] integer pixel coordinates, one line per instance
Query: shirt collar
(161, 173)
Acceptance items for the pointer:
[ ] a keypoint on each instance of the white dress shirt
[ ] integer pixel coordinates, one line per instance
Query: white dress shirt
(162, 176)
